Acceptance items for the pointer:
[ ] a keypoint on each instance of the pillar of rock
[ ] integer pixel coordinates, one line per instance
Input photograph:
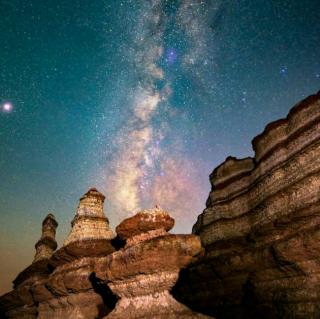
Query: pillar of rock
(90, 221)
(143, 272)
(19, 303)
(70, 291)
(47, 243)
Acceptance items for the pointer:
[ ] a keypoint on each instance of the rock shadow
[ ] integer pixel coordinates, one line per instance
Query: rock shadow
(118, 243)
(108, 297)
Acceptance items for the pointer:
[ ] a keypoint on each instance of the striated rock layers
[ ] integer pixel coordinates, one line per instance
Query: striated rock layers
(261, 227)
(19, 303)
(143, 272)
(75, 281)
(62, 284)
(69, 292)
(260, 231)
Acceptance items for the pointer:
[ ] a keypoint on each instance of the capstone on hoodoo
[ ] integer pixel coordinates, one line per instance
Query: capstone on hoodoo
(143, 272)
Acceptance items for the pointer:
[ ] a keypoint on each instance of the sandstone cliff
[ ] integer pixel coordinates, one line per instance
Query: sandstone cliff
(261, 227)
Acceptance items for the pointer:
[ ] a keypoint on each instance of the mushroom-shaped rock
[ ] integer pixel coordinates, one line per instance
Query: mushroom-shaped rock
(143, 272)
(145, 221)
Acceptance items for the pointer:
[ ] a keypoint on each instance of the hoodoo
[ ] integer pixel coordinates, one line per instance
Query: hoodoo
(69, 291)
(90, 222)
(19, 303)
(47, 243)
(143, 272)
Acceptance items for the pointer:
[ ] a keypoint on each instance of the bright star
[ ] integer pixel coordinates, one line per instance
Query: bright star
(7, 107)
(171, 56)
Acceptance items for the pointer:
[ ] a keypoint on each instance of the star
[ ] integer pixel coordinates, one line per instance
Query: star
(283, 70)
(7, 107)
(171, 56)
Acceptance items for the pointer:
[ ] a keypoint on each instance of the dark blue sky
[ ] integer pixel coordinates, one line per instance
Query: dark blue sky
(141, 99)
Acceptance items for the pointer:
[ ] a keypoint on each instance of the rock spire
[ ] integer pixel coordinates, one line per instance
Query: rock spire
(90, 222)
(70, 291)
(47, 244)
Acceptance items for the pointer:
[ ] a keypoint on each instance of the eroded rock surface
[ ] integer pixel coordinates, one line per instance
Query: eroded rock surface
(261, 227)
(90, 222)
(144, 221)
(62, 284)
(143, 272)
(69, 291)
(19, 303)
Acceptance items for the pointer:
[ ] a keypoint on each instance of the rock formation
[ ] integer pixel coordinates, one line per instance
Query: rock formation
(75, 281)
(261, 227)
(47, 243)
(260, 231)
(90, 222)
(90, 235)
(69, 291)
(19, 303)
(143, 272)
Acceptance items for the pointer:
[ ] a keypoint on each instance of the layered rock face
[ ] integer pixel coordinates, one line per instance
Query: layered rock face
(260, 232)
(77, 278)
(69, 292)
(47, 243)
(90, 222)
(261, 227)
(143, 272)
(19, 303)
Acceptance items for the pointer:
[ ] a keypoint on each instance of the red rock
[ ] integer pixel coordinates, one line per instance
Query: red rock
(80, 249)
(143, 272)
(143, 222)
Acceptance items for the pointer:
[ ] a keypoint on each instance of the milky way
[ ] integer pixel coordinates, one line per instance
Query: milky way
(141, 99)
(143, 171)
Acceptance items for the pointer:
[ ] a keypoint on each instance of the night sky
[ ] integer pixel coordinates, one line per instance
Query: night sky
(141, 99)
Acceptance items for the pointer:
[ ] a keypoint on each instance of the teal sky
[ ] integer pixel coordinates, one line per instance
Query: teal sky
(141, 99)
